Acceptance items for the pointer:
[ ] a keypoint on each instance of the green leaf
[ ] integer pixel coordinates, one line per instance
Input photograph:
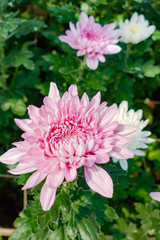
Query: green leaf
(88, 229)
(114, 172)
(18, 107)
(63, 13)
(111, 213)
(30, 25)
(72, 226)
(9, 26)
(58, 234)
(154, 155)
(156, 35)
(22, 179)
(149, 69)
(17, 59)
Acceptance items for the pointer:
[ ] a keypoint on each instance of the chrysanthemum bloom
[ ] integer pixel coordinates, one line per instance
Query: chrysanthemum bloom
(140, 140)
(135, 30)
(155, 196)
(65, 134)
(92, 39)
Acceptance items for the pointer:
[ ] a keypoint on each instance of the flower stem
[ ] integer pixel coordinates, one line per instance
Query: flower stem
(14, 77)
(24, 199)
(127, 54)
(83, 63)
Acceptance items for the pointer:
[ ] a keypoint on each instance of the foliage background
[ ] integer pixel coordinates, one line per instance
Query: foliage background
(31, 56)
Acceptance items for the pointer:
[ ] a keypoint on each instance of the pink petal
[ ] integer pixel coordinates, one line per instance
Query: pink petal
(111, 49)
(101, 58)
(34, 180)
(70, 174)
(108, 115)
(126, 130)
(95, 100)
(155, 196)
(73, 90)
(22, 168)
(24, 124)
(99, 180)
(73, 29)
(63, 38)
(11, 156)
(47, 197)
(85, 99)
(53, 92)
(121, 153)
(83, 18)
(92, 62)
(33, 113)
(55, 178)
(104, 158)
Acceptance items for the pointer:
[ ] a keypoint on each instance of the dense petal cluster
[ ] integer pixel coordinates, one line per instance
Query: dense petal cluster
(92, 39)
(65, 134)
(135, 30)
(140, 140)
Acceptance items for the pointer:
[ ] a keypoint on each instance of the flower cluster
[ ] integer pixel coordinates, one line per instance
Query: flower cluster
(65, 134)
(92, 39)
(140, 140)
(135, 30)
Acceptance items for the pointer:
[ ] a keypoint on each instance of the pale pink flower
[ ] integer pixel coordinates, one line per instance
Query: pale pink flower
(92, 39)
(65, 134)
(155, 196)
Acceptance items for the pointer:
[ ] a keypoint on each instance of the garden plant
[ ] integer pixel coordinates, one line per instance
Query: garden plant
(80, 118)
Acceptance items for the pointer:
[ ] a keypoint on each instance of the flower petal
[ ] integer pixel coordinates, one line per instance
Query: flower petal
(47, 197)
(92, 62)
(53, 92)
(24, 124)
(22, 168)
(124, 164)
(99, 180)
(73, 90)
(34, 180)
(11, 156)
(155, 196)
(55, 178)
(70, 174)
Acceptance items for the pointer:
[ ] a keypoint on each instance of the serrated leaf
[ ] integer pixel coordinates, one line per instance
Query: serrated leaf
(88, 229)
(72, 226)
(63, 13)
(22, 179)
(17, 59)
(31, 25)
(63, 204)
(18, 107)
(9, 26)
(149, 69)
(114, 172)
(111, 213)
(58, 234)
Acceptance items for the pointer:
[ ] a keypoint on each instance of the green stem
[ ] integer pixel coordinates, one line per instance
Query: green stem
(127, 54)
(83, 63)
(14, 77)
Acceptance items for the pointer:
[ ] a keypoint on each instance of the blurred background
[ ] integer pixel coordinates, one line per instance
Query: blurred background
(31, 56)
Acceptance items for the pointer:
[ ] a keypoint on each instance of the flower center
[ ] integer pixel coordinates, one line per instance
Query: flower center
(61, 131)
(134, 29)
(90, 35)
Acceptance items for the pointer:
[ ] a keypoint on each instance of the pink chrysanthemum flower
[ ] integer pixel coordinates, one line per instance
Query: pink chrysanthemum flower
(92, 39)
(65, 134)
